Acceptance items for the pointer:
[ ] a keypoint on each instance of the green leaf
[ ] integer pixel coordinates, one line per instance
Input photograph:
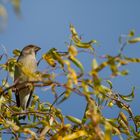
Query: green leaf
(129, 97)
(110, 83)
(74, 120)
(77, 63)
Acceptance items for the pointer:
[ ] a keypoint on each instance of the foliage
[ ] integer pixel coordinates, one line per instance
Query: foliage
(66, 75)
(3, 11)
(47, 121)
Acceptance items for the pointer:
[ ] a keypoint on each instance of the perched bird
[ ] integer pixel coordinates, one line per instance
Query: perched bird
(27, 59)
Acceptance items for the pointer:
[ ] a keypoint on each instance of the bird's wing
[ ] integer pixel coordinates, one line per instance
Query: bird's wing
(28, 102)
(17, 98)
(16, 76)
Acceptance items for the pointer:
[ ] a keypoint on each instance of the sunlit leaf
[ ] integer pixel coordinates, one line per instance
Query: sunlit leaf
(77, 40)
(72, 51)
(87, 45)
(74, 34)
(48, 58)
(16, 52)
(124, 126)
(131, 33)
(2, 100)
(134, 40)
(94, 64)
(77, 63)
(52, 56)
(129, 97)
(75, 135)
(73, 119)
(108, 129)
(123, 117)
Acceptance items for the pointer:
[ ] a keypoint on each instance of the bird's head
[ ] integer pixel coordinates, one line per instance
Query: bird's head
(30, 49)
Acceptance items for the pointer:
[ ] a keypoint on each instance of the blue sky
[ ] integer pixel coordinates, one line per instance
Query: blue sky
(46, 24)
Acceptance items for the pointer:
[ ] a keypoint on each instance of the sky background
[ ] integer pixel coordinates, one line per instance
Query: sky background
(46, 24)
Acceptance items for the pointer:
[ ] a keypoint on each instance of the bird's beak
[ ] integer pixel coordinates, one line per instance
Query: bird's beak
(37, 49)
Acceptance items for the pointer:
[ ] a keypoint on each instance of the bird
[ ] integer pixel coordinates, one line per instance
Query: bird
(27, 59)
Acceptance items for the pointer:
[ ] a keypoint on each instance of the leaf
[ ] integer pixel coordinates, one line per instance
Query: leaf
(134, 40)
(16, 5)
(110, 83)
(72, 51)
(73, 119)
(51, 56)
(2, 100)
(72, 76)
(94, 64)
(16, 52)
(74, 34)
(123, 73)
(129, 97)
(124, 126)
(78, 64)
(84, 45)
(49, 60)
(123, 118)
(77, 40)
(133, 60)
(108, 129)
(57, 57)
(131, 33)
(75, 135)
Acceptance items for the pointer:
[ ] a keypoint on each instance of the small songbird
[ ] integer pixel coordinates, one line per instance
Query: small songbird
(27, 59)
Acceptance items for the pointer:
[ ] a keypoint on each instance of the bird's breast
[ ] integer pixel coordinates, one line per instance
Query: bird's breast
(29, 62)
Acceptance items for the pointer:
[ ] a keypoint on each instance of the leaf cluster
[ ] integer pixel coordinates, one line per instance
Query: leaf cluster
(66, 75)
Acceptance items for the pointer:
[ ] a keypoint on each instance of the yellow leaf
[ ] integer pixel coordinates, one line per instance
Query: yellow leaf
(72, 50)
(131, 33)
(123, 117)
(108, 129)
(71, 72)
(16, 52)
(94, 64)
(77, 40)
(73, 75)
(49, 60)
(77, 63)
(74, 34)
(134, 40)
(75, 135)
